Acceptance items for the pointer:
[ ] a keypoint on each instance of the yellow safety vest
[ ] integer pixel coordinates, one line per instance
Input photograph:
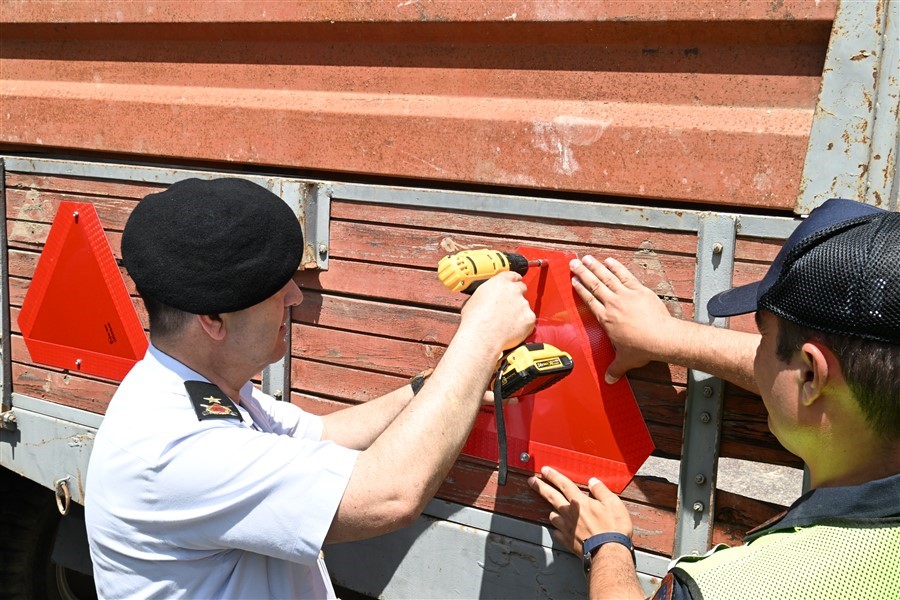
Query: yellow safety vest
(819, 561)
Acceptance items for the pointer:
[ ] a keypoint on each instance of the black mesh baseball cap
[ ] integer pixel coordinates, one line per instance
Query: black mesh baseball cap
(838, 272)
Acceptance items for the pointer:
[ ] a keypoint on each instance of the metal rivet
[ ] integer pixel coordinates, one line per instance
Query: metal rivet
(277, 394)
(698, 507)
(705, 417)
(78, 362)
(699, 478)
(75, 216)
(707, 391)
(695, 553)
(323, 250)
(717, 248)
(524, 457)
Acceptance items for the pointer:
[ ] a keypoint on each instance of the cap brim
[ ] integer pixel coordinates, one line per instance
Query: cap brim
(736, 301)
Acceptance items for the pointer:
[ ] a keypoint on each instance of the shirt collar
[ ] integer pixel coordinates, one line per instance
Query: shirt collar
(844, 505)
(162, 360)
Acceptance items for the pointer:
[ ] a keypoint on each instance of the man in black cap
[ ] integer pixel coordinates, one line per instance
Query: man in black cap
(827, 365)
(200, 485)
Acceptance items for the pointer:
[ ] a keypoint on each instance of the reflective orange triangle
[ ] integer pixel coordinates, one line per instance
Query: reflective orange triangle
(581, 426)
(77, 314)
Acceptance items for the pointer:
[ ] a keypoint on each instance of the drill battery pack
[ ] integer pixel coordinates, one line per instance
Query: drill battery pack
(531, 368)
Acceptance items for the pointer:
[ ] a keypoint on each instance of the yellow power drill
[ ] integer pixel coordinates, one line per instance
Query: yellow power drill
(524, 370)
(466, 270)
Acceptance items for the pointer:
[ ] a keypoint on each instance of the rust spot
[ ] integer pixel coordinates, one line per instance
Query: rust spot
(650, 51)
(830, 145)
(692, 51)
(863, 54)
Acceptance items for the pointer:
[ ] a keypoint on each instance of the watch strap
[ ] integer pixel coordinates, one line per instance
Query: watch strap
(593, 543)
(418, 380)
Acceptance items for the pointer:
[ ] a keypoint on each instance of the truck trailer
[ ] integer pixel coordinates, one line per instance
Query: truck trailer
(685, 139)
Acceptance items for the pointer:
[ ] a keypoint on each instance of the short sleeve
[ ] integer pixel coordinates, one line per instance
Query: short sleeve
(285, 418)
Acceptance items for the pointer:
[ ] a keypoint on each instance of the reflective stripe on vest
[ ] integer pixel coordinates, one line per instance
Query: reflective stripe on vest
(810, 562)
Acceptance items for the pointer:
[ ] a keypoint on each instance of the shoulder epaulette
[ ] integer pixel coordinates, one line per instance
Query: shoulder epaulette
(210, 402)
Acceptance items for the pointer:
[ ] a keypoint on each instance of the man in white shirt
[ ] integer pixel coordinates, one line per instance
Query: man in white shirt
(200, 485)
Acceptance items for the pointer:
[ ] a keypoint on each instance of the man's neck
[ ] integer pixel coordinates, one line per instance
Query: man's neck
(864, 462)
(206, 363)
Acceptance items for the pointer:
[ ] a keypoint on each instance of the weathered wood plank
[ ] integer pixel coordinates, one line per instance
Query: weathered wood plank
(343, 383)
(378, 318)
(363, 351)
(81, 185)
(92, 395)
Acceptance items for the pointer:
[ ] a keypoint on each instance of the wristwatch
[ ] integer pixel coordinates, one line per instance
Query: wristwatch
(593, 543)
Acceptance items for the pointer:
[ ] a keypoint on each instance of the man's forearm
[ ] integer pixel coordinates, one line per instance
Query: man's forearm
(613, 576)
(358, 426)
(721, 352)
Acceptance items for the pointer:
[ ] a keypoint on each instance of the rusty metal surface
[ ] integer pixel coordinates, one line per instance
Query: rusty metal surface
(700, 102)
(854, 138)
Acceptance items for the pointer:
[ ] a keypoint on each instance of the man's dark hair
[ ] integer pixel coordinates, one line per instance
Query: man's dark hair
(871, 369)
(164, 319)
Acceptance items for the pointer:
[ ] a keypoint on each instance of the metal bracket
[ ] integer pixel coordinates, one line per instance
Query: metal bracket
(316, 219)
(703, 408)
(276, 377)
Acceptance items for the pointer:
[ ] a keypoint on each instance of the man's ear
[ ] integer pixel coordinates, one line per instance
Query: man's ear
(213, 325)
(818, 367)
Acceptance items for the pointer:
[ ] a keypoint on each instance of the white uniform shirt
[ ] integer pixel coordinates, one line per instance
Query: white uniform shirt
(219, 508)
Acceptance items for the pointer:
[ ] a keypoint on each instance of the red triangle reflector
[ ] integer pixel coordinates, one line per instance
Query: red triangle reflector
(77, 314)
(581, 426)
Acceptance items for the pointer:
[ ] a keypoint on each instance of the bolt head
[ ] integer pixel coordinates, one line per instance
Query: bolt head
(524, 457)
(705, 417)
(698, 507)
(699, 478)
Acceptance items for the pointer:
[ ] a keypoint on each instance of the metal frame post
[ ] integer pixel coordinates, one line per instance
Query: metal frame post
(703, 408)
(5, 326)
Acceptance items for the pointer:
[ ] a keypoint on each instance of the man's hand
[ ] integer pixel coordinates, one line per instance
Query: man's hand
(635, 319)
(641, 328)
(499, 311)
(577, 516)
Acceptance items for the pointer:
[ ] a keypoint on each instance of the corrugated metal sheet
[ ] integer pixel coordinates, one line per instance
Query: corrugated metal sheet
(706, 102)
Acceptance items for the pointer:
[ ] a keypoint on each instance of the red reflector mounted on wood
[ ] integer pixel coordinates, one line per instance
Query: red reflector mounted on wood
(581, 425)
(77, 314)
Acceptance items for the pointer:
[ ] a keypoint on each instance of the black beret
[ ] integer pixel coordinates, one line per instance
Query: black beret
(211, 246)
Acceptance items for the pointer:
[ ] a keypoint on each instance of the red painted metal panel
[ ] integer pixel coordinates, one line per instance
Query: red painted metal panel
(707, 102)
(213, 11)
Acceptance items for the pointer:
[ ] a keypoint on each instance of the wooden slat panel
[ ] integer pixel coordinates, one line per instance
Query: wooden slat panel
(81, 186)
(380, 315)
(390, 320)
(363, 351)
